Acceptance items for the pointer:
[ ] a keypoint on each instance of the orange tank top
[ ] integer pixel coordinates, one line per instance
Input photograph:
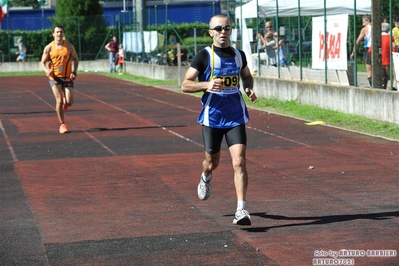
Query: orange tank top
(61, 61)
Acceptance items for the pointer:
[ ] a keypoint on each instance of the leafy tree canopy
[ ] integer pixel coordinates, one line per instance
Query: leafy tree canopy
(84, 19)
(24, 3)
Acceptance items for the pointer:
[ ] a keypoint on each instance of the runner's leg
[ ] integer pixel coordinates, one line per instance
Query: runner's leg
(57, 91)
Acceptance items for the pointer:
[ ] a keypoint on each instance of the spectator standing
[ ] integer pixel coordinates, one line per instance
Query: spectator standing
(269, 28)
(395, 46)
(270, 48)
(365, 36)
(263, 56)
(121, 58)
(385, 53)
(259, 54)
(112, 48)
(21, 51)
(281, 53)
(395, 33)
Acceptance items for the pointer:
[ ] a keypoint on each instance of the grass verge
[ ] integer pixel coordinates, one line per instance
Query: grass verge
(330, 117)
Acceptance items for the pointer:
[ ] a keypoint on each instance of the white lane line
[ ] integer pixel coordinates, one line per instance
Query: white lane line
(159, 101)
(127, 112)
(105, 103)
(191, 110)
(43, 100)
(87, 133)
(99, 142)
(183, 137)
(13, 155)
(280, 137)
(195, 111)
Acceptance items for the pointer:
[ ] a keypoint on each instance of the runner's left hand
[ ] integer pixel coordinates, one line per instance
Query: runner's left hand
(251, 94)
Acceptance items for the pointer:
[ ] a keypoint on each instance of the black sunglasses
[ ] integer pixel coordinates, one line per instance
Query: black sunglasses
(220, 28)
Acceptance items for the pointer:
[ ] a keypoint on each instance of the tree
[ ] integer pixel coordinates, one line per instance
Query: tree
(385, 8)
(84, 25)
(24, 3)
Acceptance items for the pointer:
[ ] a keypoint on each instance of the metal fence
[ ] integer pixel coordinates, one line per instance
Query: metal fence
(154, 44)
(157, 44)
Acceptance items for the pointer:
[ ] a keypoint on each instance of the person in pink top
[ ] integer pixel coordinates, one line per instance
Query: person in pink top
(121, 58)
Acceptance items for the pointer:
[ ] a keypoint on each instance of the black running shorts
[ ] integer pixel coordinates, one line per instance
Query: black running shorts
(212, 137)
(61, 81)
(367, 56)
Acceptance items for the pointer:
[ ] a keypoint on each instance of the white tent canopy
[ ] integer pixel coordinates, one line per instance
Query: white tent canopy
(289, 8)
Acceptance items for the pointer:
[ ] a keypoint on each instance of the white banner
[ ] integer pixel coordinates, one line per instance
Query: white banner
(395, 57)
(132, 41)
(337, 30)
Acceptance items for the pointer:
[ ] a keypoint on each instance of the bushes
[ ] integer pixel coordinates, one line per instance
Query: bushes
(35, 41)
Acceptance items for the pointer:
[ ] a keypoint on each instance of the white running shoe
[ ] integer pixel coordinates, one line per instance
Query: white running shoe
(242, 217)
(204, 189)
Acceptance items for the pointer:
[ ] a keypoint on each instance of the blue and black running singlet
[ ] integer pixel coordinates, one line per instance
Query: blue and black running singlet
(224, 109)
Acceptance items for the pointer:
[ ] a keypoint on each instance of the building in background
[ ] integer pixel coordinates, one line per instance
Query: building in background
(144, 12)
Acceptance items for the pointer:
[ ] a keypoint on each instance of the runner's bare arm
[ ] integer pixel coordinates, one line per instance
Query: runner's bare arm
(75, 61)
(248, 83)
(358, 41)
(45, 59)
(190, 85)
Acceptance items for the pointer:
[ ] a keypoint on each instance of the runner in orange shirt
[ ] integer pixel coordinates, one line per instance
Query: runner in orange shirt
(57, 59)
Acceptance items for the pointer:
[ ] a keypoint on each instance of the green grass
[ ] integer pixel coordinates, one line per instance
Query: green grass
(141, 80)
(288, 108)
(361, 68)
(20, 74)
(330, 117)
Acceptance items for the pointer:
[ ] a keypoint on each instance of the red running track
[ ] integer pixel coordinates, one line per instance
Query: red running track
(120, 189)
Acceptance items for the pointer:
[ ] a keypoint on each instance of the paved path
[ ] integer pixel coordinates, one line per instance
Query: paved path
(120, 189)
